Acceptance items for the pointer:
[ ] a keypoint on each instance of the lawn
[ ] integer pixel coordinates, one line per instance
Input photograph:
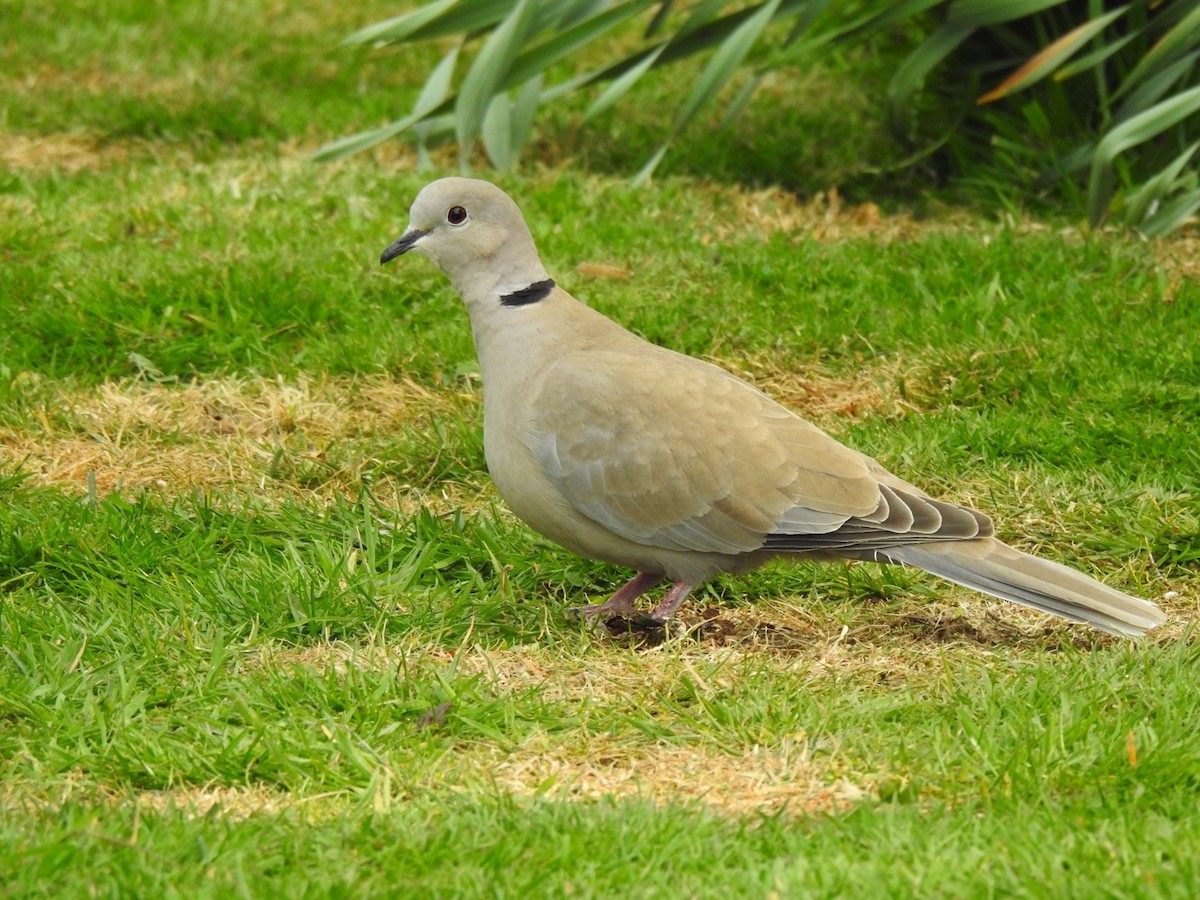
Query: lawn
(266, 628)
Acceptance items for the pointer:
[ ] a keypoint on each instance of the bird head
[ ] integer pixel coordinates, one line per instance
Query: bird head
(473, 232)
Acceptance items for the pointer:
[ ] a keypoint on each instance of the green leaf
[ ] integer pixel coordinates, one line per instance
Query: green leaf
(361, 141)
(738, 103)
(538, 59)
(507, 124)
(1175, 43)
(664, 10)
(811, 12)
(620, 86)
(889, 15)
(487, 74)
(400, 27)
(702, 13)
(437, 85)
(978, 13)
(1139, 202)
(648, 169)
(718, 71)
(433, 95)
(469, 17)
(576, 11)
(1051, 57)
(1152, 90)
(1090, 61)
(497, 132)
(525, 105)
(918, 64)
(1140, 128)
(1171, 215)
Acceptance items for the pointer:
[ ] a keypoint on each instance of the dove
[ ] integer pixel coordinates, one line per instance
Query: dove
(627, 452)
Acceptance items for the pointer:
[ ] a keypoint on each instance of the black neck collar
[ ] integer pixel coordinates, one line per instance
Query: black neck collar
(539, 290)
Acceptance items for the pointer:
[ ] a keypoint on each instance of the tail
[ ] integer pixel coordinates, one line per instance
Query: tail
(995, 568)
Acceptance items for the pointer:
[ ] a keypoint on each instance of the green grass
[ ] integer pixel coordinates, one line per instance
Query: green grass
(265, 627)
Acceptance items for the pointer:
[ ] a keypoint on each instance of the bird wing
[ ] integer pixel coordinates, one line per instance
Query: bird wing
(675, 453)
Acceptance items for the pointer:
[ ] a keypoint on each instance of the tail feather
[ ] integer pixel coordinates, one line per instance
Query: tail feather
(995, 568)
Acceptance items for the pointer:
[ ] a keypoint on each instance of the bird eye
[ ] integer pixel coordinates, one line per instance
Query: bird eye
(456, 216)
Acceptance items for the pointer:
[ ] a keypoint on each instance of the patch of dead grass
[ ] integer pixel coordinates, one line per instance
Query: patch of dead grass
(1179, 258)
(586, 765)
(758, 779)
(741, 213)
(888, 386)
(269, 439)
(64, 152)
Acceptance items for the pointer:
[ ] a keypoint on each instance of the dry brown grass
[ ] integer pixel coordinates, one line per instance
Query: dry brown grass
(268, 439)
(65, 152)
(592, 764)
(741, 213)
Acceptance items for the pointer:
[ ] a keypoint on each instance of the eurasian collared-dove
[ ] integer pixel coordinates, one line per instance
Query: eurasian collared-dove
(623, 451)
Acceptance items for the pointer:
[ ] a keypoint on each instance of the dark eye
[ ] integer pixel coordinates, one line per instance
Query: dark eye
(456, 216)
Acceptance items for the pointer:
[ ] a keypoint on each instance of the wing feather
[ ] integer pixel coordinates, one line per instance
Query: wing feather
(683, 455)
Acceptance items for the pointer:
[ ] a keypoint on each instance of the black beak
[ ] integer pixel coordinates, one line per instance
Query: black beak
(402, 244)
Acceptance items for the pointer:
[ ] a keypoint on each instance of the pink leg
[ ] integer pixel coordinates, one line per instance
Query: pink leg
(621, 603)
(675, 595)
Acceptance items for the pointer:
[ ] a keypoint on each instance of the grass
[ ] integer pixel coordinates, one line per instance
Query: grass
(265, 626)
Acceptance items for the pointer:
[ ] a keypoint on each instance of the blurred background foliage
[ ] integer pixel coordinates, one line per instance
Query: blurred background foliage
(1081, 102)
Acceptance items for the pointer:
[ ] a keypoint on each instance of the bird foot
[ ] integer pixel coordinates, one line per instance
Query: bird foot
(620, 616)
(619, 604)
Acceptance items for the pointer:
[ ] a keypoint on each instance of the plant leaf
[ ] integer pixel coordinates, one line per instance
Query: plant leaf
(525, 105)
(361, 141)
(1051, 57)
(915, 67)
(977, 13)
(508, 122)
(1139, 202)
(738, 103)
(398, 28)
(1090, 61)
(1137, 130)
(487, 75)
(538, 59)
(469, 17)
(1179, 40)
(433, 95)
(620, 86)
(889, 15)
(718, 71)
(1152, 90)
(497, 132)
(437, 85)
(664, 10)
(701, 14)
(1171, 215)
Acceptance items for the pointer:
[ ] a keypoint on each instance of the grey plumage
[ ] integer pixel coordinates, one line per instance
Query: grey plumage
(627, 452)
